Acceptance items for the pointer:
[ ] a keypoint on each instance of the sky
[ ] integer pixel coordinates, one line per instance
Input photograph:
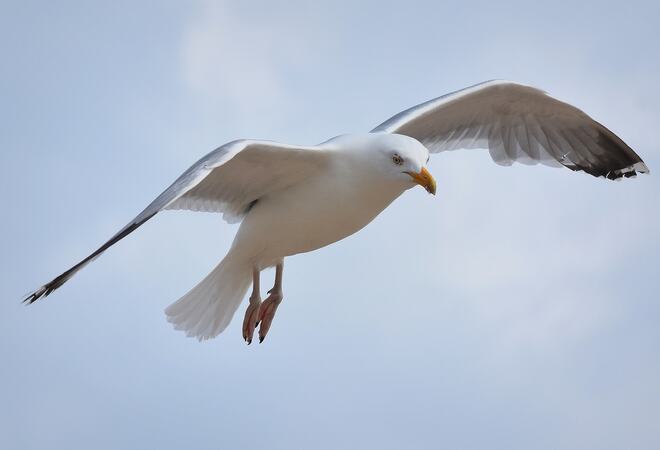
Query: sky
(516, 309)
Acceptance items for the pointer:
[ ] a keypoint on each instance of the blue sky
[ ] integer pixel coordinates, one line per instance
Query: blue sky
(516, 309)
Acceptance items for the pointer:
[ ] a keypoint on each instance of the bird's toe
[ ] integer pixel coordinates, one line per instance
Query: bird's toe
(267, 313)
(251, 320)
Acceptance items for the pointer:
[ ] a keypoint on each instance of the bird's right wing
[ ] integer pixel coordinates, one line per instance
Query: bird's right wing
(230, 180)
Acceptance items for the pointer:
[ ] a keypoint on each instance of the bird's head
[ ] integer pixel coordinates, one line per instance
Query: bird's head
(404, 159)
(391, 160)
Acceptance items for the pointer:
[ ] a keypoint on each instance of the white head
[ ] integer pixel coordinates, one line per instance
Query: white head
(392, 159)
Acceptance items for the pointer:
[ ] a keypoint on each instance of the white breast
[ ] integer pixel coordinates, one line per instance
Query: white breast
(311, 215)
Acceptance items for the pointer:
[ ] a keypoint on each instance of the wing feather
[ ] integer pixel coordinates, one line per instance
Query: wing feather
(517, 123)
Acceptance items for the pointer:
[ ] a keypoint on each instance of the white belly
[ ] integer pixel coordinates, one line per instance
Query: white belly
(309, 216)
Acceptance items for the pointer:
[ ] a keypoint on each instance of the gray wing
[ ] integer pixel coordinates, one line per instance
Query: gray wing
(229, 180)
(517, 123)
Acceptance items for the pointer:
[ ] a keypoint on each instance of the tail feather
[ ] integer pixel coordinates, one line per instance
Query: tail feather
(207, 309)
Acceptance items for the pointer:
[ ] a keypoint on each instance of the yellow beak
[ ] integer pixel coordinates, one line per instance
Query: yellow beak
(424, 179)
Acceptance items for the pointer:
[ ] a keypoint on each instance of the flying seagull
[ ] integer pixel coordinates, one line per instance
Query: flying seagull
(293, 199)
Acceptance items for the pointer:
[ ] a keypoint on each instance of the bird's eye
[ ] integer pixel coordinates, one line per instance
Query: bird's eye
(396, 159)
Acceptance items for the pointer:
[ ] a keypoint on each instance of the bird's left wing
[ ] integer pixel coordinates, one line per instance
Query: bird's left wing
(230, 180)
(517, 123)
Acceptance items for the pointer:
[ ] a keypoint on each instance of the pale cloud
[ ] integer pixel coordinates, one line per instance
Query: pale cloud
(242, 59)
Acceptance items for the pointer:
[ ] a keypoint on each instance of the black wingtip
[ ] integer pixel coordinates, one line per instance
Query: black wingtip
(48, 288)
(628, 172)
(43, 292)
(36, 295)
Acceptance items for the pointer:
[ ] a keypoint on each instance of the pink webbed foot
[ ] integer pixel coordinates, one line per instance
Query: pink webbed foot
(267, 312)
(251, 319)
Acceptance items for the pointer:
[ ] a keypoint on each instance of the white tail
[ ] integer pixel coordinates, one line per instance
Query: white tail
(206, 310)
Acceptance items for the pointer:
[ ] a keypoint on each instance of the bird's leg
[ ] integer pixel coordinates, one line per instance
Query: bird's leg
(252, 314)
(269, 306)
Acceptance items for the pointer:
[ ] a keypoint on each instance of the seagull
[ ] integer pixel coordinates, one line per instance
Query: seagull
(292, 199)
